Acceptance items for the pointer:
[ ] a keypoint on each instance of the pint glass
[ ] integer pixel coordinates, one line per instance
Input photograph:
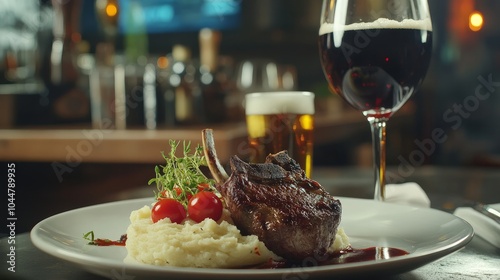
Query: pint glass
(278, 121)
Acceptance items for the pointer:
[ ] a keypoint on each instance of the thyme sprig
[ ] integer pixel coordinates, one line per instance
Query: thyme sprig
(180, 177)
(89, 236)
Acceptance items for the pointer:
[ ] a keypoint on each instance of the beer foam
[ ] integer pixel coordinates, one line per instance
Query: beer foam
(381, 23)
(266, 103)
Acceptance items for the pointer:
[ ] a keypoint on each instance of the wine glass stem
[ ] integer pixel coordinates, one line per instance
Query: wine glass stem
(378, 140)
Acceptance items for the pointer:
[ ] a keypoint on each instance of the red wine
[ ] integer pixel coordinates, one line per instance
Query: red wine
(376, 67)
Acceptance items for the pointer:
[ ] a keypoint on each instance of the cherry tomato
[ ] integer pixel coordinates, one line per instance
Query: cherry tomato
(178, 191)
(204, 205)
(163, 194)
(168, 208)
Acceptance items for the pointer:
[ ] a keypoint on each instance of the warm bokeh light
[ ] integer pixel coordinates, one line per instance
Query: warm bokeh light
(111, 10)
(476, 21)
(162, 62)
(307, 122)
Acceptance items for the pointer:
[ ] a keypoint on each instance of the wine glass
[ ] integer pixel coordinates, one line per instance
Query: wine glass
(375, 54)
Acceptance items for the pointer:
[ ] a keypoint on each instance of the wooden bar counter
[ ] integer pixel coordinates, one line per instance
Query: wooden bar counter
(84, 144)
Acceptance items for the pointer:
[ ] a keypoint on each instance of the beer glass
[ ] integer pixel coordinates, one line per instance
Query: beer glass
(278, 121)
(375, 54)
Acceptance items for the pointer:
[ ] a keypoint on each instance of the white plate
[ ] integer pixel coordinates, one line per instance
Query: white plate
(426, 234)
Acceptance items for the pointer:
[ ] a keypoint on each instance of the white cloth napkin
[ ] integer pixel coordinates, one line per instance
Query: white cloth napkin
(407, 193)
(484, 226)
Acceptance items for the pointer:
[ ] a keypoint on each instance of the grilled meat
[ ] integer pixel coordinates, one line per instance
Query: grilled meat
(293, 215)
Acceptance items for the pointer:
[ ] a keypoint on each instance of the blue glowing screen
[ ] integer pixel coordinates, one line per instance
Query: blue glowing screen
(160, 16)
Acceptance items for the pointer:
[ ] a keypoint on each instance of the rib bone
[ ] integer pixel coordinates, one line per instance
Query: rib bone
(218, 172)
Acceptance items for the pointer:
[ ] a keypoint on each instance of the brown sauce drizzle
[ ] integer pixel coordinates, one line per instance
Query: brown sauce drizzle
(366, 254)
(350, 255)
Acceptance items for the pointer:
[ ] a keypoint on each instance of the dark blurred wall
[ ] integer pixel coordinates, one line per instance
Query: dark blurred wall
(461, 93)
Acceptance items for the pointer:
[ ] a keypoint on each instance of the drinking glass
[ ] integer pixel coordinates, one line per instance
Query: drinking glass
(281, 120)
(375, 54)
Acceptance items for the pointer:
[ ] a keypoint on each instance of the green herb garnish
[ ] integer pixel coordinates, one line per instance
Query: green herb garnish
(90, 237)
(180, 177)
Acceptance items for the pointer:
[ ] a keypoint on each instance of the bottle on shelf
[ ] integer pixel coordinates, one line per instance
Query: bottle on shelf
(210, 76)
(60, 73)
(181, 93)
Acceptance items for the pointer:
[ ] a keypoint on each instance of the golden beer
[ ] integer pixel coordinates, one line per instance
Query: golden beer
(279, 121)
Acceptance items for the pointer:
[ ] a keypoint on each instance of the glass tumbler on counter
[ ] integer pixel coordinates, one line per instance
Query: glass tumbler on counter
(375, 54)
(278, 121)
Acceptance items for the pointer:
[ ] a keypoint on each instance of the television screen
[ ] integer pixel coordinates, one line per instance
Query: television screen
(163, 16)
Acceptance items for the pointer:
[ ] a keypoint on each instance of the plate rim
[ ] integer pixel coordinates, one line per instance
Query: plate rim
(93, 264)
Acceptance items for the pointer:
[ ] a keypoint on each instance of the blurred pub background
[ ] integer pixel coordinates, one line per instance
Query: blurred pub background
(177, 66)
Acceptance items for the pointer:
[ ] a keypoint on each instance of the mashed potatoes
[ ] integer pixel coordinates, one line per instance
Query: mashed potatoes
(341, 241)
(190, 244)
(206, 244)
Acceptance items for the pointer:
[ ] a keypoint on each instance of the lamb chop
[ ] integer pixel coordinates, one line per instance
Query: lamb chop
(293, 215)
